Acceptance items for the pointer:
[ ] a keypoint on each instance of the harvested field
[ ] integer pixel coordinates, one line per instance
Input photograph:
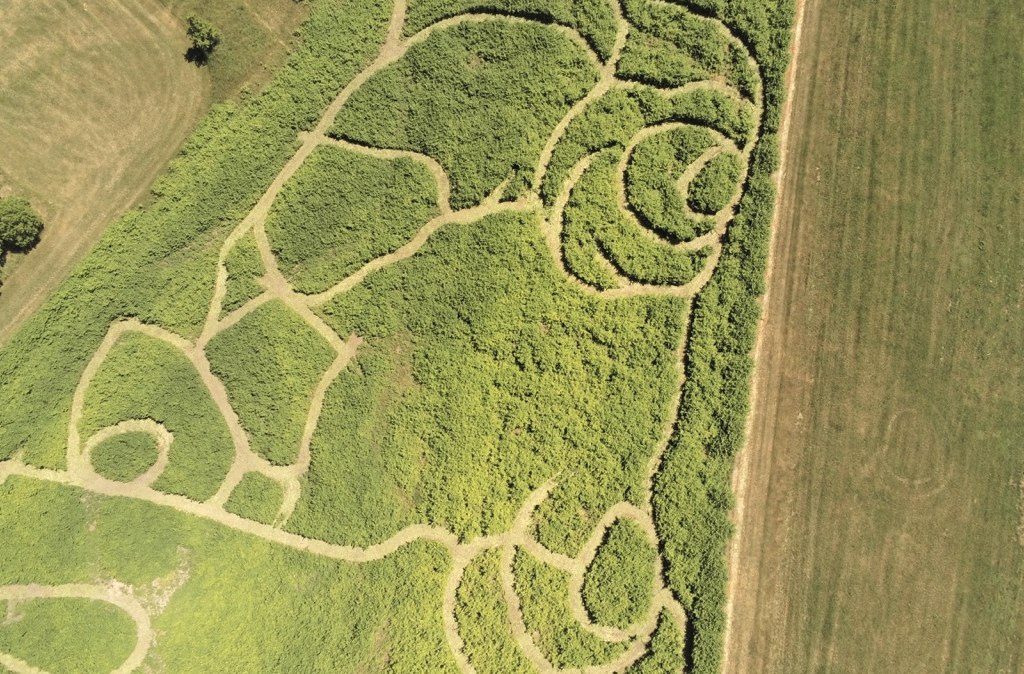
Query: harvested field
(880, 486)
(95, 103)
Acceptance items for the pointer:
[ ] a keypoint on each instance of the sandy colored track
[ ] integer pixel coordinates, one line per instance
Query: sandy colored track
(80, 473)
(741, 470)
(112, 594)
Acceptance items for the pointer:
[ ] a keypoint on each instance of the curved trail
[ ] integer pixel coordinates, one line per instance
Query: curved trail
(112, 594)
(80, 473)
(161, 436)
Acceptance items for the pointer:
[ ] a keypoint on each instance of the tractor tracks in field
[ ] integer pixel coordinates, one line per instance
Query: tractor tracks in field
(80, 473)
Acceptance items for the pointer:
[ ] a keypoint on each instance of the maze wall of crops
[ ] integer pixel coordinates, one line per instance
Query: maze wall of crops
(469, 285)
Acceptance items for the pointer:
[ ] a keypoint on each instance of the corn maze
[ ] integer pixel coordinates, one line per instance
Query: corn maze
(454, 334)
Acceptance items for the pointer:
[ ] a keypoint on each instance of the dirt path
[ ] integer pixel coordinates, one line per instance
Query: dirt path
(113, 594)
(760, 397)
(80, 473)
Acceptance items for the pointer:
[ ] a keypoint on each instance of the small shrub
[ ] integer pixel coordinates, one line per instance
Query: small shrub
(20, 225)
(204, 38)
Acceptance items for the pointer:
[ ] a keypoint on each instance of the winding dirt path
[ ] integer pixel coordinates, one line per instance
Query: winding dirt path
(79, 472)
(113, 594)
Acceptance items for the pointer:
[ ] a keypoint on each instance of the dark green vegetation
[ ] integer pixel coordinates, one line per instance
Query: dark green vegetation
(892, 437)
(204, 38)
(158, 263)
(618, 586)
(595, 224)
(244, 269)
(270, 362)
(664, 651)
(657, 163)
(67, 635)
(544, 595)
(482, 616)
(617, 116)
(669, 48)
(592, 18)
(257, 497)
(146, 378)
(715, 185)
(483, 374)
(125, 456)
(245, 601)
(473, 98)
(343, 209)
(20, 225)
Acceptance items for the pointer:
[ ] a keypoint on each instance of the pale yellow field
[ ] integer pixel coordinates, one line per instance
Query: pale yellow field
(882, 506)
(94, 103)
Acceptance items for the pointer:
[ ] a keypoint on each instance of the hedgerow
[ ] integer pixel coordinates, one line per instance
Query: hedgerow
(618, 585)
(543, 597)
(592, 18)
(652, 176)
(484, 373)
(342, 209)
(146, 378)
(715, 185)
(612, 120)
(159, 263)
(251, 603)
(664, 652)
(693, 497)
(68, 635)
(125, 456)
(594, 219)
(482, 616)
(244, 269)
(257, 497)
(473, 98)
(270, 362)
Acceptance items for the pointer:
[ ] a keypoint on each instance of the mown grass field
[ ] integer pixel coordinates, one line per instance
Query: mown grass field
(373, 351)
(884, 504)
(95, 100)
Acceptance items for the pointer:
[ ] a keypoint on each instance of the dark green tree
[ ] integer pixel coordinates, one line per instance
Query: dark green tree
(204, 37)
(20, 226)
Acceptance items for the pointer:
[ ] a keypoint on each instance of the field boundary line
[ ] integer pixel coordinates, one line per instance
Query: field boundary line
(741, 470)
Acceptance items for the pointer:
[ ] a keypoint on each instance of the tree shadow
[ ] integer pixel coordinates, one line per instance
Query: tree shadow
(196, 56)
